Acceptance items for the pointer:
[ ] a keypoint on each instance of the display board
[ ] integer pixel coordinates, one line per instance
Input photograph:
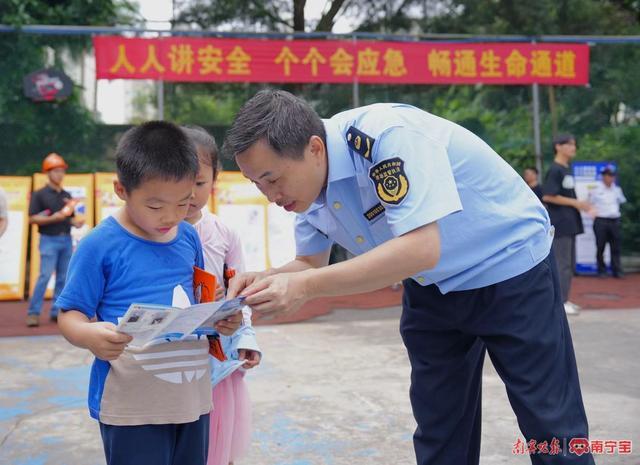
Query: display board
(13, 243)
(266, 229)
(107, 202)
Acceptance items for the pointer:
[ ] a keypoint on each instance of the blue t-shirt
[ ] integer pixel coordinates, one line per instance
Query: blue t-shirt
(112, 268)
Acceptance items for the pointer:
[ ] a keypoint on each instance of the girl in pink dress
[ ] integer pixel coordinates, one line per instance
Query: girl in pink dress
(230, 427)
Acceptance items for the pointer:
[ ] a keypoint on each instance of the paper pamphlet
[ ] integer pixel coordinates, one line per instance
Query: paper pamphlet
(146, 322)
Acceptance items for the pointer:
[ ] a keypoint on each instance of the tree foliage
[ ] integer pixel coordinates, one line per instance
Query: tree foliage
(30, 130)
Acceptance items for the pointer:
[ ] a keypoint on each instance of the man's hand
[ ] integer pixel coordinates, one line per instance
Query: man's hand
(240, 281)
(104, 341)
(278, 294)
(229, 325)
(251, 357)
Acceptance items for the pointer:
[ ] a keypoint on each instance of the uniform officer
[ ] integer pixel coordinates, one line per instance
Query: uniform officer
(606, 199)
(419, 198)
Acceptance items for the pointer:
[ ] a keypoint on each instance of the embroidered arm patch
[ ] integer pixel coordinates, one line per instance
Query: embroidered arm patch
(390, 180)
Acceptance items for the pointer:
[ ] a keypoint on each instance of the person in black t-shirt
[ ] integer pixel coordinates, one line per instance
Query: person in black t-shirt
(564, 211)
(530, 176)
(52, 209)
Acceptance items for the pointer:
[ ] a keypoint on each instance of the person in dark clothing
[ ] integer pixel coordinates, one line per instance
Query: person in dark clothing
(564, 211)
(530, 176)
(52, 209)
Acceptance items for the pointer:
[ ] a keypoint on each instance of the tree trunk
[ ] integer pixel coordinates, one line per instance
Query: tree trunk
(553, 110)
(298, 15)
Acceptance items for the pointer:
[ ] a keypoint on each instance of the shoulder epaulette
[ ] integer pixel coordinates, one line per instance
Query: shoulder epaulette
(361, 143)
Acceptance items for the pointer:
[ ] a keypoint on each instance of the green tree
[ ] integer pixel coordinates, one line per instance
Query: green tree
(28, 130)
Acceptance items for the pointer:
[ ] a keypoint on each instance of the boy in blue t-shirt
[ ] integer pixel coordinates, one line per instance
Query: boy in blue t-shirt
(153, 403)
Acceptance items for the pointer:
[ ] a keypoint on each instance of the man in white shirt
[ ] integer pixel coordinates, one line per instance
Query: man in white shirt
(606, 199)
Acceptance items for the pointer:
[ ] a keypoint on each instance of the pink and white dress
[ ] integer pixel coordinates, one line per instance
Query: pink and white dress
(230, 421)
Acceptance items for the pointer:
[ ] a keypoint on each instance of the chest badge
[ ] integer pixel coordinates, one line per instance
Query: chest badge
(390, 180)
(359, 142)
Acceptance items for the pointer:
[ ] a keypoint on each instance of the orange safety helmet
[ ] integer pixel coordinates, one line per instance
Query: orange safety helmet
(53, 160)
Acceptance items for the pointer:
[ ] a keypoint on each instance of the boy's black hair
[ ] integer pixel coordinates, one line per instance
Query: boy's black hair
(532, 168)
(561, 139)
(284, 121)
(155, 149)
(205, 145)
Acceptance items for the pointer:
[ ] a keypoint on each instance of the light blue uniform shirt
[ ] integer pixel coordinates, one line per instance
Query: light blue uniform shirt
(421, 169)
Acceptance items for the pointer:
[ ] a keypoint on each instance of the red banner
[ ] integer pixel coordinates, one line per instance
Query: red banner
(335, 61)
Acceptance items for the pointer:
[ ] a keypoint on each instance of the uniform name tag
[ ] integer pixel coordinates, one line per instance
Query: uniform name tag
(374, 212)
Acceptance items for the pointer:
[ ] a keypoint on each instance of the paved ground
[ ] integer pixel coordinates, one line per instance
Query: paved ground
(331, 391)
(588, 292)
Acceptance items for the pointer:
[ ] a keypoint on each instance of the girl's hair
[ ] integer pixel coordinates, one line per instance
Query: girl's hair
(206, 147)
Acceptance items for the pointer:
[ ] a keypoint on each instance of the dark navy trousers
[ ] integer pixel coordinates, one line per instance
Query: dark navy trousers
(521, 324)
(173, 444)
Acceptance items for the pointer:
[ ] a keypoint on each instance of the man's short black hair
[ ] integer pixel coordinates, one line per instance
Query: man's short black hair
(532, 168)
(156, 149)
(284, 121)
(561, 139)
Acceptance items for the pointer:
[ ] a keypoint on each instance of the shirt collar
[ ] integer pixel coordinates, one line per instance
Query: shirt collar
(338, 156)
(340, 165)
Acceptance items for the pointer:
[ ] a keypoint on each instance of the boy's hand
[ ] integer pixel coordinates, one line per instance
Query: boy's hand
(219, 294)
(229, 325)
(251, 357)
(105, 342)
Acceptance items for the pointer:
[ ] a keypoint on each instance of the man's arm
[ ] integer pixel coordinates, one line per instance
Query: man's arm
(4, 222)
(566, 201)
(43, 220)
(621, 198)
(384, 265)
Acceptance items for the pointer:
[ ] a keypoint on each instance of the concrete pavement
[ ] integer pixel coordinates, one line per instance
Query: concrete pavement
(331, 391)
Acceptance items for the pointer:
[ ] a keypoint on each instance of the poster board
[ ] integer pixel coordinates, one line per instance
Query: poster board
(265, 229)
(80, 186)
(13, 243)
(587, 175)
(107, 202)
